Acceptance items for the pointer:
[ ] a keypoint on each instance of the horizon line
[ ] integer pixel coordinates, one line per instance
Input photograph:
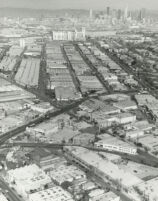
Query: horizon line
(86, 9)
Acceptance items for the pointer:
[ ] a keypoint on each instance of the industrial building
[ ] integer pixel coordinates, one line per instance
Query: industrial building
(150, 142)
(113, 144)
(63, 93)
(66, 173)
(7, 64)
(28, 179)
(100, 195)
(102, 168)
(14, 95)
(28, 73)
(147, 190)
(89, 83)
(126, 105)
(69, 35)
(55, 193)
(84, 138)
(2, 197)
(15, 51)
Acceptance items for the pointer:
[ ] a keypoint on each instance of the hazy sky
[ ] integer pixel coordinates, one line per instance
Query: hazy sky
(94, 4)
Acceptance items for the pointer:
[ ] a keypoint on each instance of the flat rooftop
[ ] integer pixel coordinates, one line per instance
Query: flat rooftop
(56, 194)
(150, 189)
(144, 172)
(150, 141)
(108, 168)
(108, 139)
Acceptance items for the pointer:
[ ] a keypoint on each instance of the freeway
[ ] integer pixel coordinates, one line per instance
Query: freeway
(141, 157)
(6, 136)
(59, 109)
(9, 193)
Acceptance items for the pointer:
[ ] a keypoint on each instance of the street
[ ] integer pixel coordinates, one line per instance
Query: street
(9, 193)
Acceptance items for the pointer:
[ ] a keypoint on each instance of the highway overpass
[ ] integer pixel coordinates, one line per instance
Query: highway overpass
(141, 157)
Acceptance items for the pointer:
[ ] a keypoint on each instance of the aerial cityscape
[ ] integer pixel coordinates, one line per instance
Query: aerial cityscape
(78, 100)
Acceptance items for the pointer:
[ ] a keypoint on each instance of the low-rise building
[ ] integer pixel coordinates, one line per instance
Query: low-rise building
(104, 169)
(42, 107)
(144, 99)
(150, 142)
(147, 190)
(50, 162)
(134, 134)
(109, 196)
(89, 83)
(49, 127)
(66, 173)
(55, 193)
(84, 138)
(2, 197)
(96, 194)
(66, 93)
(111, 157)
(126, 105)
(2, 113)
(28, 72)
(143, 125)
(113, 144)
(28, 179)
(125, 118)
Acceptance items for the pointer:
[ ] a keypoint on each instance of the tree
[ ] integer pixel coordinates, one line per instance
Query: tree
(66, 184)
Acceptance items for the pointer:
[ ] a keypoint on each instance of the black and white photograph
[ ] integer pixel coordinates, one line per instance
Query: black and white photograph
(78, 100)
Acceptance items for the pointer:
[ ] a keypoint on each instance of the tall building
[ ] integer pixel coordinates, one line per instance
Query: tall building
(119, 14)
(126, 12)
(142, 14)
(91, 14)
(108, 11)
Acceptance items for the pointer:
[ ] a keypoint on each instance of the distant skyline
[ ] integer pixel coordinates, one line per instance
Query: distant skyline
(80, 4)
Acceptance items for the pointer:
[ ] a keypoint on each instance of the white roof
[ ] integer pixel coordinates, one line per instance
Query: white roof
(108, 168)
(96, 192)
(30, 177)
(150, 189)
(55, 194)
(108, 139)
(2, 197)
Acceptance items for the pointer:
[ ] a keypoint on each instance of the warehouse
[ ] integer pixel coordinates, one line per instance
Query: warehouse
(66, 173)
(28, 73)
(148, 190)
(113, 144)
(126, 105)
(103, 168)
(125, 118)
(7, 64)
(27, 179)
(89, 83)
(2, 197)
(95, 195)
(15, 95)
(15, 51)
(150, 142)
(84, 138)
(66, 93)
(55, 193)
